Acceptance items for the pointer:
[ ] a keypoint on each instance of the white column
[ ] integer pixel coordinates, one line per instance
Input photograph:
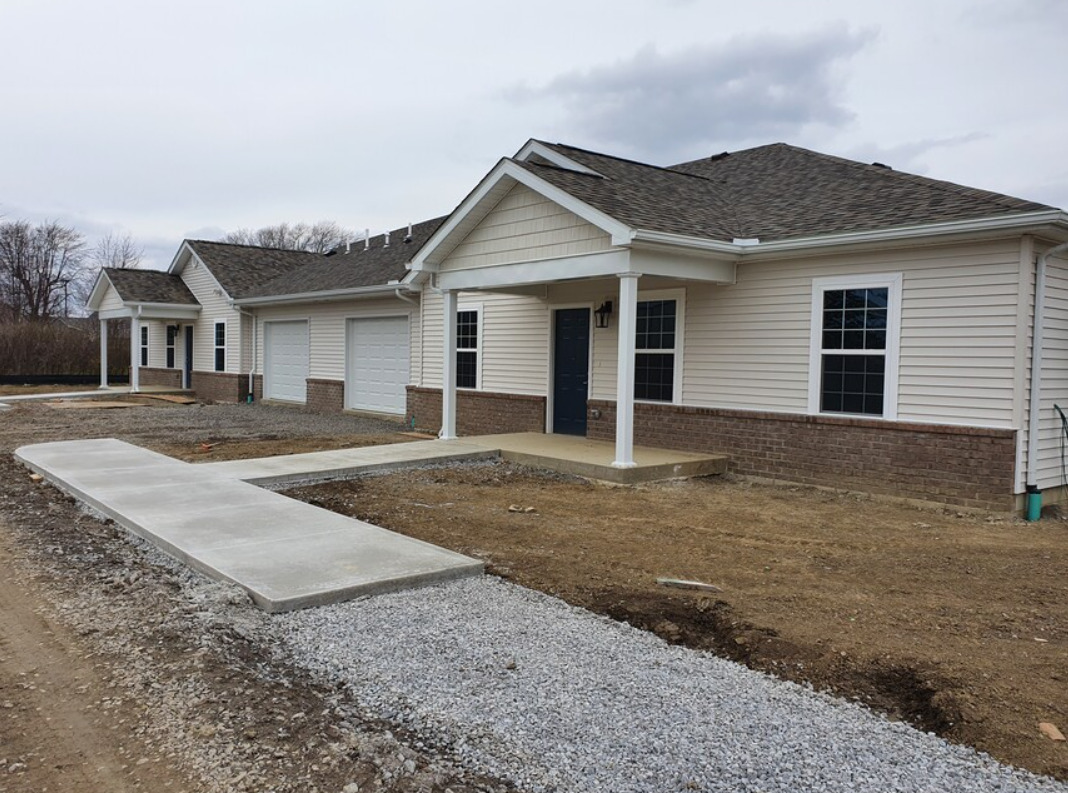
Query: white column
(135, 355)
(103, 353)
(448, 368)
(628, 312)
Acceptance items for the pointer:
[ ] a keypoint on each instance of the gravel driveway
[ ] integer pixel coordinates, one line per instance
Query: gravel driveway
(527, 688)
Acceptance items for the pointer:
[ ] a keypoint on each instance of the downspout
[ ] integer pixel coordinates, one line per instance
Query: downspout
(401, 295)
(252, 361)
(1034, 495)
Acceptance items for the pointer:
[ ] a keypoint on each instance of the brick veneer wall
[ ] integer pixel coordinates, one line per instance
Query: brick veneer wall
(170, 378)
(327, 396)
(477, 412)
(220, 386)
(966, 466)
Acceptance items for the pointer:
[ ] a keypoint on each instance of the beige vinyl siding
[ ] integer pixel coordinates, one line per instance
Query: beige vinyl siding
(111, 300)
(157, 342)
(1051, 473)
(747, 345)
(526, 226)
(214, 307)
(327, 330)
(514, 353)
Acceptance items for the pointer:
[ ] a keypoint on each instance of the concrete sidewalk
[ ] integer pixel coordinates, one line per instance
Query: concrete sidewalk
(287, 469)
(285, 553)
(119, 390)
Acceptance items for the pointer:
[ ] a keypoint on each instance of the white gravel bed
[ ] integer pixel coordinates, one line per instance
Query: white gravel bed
(524, 687)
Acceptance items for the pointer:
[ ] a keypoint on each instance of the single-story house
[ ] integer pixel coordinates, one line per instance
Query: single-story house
(819, 320)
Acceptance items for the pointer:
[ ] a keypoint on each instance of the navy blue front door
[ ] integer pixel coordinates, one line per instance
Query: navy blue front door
(571, 366)
(187, 370)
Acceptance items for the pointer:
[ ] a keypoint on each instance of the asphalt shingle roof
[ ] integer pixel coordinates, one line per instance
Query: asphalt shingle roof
(770, 192)
(370, 266)
(243, 269)
(149, 286)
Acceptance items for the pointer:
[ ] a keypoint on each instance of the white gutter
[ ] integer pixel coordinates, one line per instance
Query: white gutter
(1037, 341)
(320, 297)
(1001, 223)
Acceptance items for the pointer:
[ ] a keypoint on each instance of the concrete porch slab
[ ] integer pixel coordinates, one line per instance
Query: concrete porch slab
(285, 553)
(571, 454)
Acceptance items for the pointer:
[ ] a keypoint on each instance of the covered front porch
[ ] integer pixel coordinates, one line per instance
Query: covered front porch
(614, 303)
(178, 344)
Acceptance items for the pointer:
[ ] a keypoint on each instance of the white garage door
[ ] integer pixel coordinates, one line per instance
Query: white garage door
(377, 364)
(285, 366)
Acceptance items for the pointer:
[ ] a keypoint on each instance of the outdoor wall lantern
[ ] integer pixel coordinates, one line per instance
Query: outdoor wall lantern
(603, 314)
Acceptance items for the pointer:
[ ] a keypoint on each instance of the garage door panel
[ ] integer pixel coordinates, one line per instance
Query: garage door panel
(286, 360)
(378, 364)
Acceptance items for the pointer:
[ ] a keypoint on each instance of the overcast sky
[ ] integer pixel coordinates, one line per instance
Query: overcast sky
(192, 118)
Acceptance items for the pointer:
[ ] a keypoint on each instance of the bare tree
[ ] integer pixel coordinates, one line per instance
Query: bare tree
(114, 251)
(318, 237)
(41, 267)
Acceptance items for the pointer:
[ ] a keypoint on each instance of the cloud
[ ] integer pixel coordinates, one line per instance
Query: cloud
(751, 88)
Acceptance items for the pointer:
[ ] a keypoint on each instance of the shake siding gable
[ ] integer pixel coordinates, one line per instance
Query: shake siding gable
(214, 308)
(111, 300)
(526, 226)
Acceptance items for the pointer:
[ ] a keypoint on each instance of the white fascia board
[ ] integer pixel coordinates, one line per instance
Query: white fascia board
(324, 296)
(676, 241)
(539, 149)
(1019, 223)
(167, 311)
(508, 170)
(96, 294)
(116, 313)
(684, 266)
(177, 263)
(540, 271)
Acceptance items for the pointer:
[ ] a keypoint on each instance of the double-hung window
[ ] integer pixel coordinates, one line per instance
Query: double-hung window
(144, 345)
(172, 334)
(467, 348)
(220, 346)
(655, 350)
(855, 326)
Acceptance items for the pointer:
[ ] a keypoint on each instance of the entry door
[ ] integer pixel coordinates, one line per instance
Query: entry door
(187, 371)
(571, 367)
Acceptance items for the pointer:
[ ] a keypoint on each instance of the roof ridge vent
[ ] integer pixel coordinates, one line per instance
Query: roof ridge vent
(722, 155)
(881, 165)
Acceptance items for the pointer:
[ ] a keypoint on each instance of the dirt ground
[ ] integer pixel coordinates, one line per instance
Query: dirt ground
(956, 623)
(117, 674)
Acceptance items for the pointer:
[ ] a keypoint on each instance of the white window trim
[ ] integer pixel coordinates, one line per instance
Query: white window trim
(892, 282)
(145, 344)
(170, 344)
(215, 347)
(477, 308)
(679, 296)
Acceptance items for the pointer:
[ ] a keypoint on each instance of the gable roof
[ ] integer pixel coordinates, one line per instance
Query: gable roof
(772, 192)
(241, 269)
(364, 265)
(149, 286)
